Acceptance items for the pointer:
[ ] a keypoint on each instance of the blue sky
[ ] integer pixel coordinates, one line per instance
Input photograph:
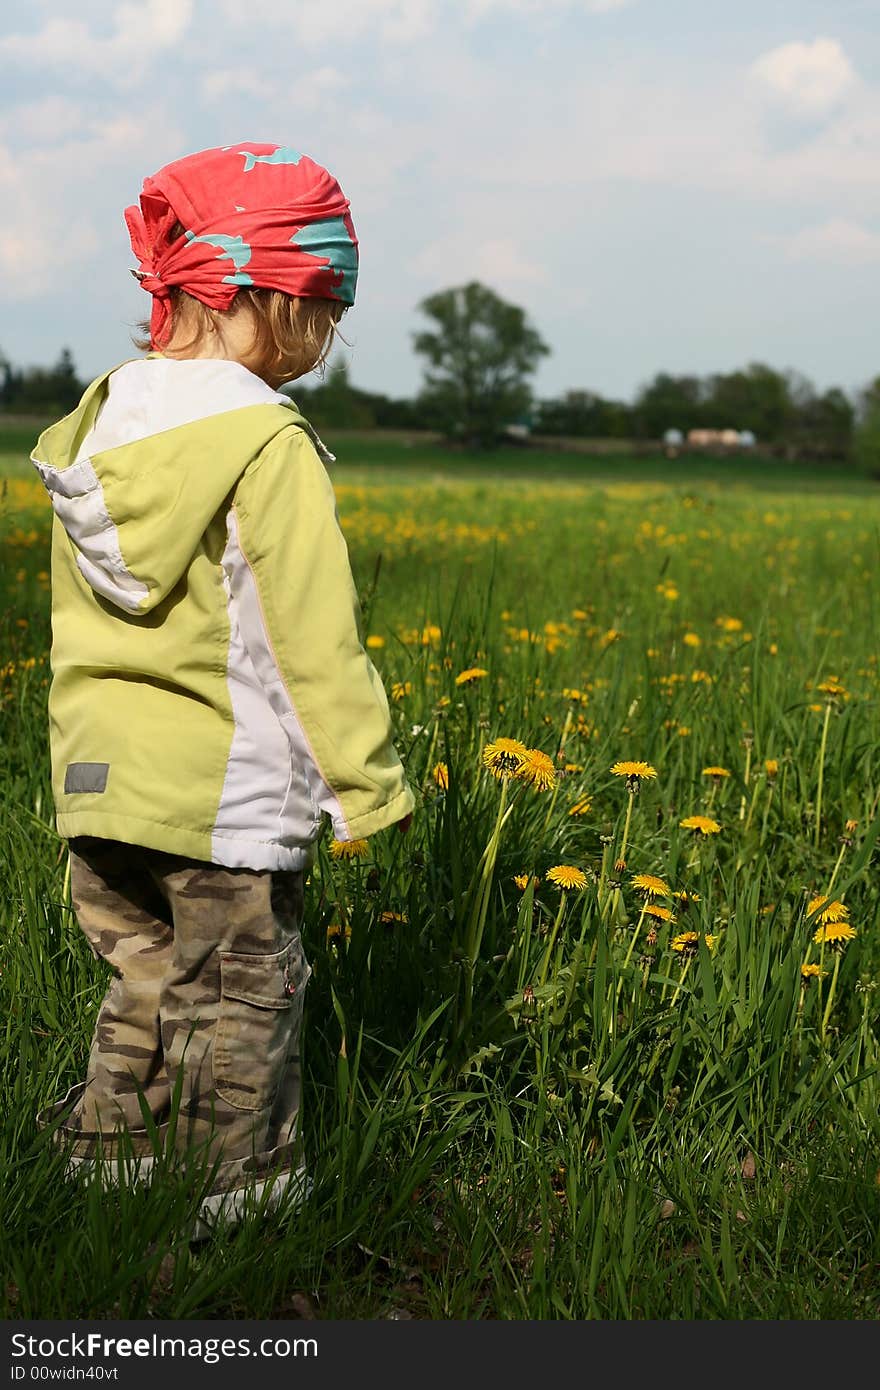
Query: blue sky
(662, 184)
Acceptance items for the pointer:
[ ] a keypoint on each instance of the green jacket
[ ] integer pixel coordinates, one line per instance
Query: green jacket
(210, 693)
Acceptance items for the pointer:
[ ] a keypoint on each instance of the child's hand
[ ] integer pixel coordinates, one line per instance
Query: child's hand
(404, 825)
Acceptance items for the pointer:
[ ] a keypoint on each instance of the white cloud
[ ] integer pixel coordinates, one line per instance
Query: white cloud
(309, 89)
(478, 8)
(837, 241)
(396, 21)
(806, 79)
(496, 260)
(60, 219)
(339, 20)
(138, 33)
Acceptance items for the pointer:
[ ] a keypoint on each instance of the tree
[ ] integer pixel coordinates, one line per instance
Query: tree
(866, 441)
(669, 402)
(480, 355)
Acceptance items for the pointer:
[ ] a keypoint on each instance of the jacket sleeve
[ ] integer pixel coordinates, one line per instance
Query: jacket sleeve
(288, 569)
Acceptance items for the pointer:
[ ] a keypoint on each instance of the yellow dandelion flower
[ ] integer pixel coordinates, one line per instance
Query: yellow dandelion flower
(832, 687)
(566, 876)
(522, 881)
(581, 807)
(715, 772)
(634, 770)
(400, 689)
(374, 642)
(388, 917)
(835, 934)
(686, 896)
(430, 633)
(440, 773)
(832, 910)
(471, 676)
(771, 767)
(574, 767)
(652, 885)
(661, 913)
(687, 943)
(851, 826)
(504, 757)
(349, 849)
(704, 824)
(692, 639)
(336, 929)
(810, 971)
(537, 769)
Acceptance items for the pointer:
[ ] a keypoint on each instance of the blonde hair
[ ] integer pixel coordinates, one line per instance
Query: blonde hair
(291, 336)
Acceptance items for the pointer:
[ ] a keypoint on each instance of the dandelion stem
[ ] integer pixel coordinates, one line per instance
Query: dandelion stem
(836, 868)
(822, 770)
(677, 990)
(551, 942)
(830, 1000)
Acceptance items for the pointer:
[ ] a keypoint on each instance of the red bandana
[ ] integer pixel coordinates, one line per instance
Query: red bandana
(261, 215)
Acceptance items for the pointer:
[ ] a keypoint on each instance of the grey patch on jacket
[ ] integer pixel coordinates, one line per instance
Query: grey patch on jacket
(86, 777)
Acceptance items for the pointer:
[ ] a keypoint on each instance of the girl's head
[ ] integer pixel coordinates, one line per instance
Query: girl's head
(249, 252)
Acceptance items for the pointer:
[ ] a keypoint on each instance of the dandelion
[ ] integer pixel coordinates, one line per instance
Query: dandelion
(835, 934)
(651, 884)
(566, 877)
(634, 772)
(716, 772)
(388, 917)
(537, 769)
(809, 972)
(658, 911)
(440, 773)
(522, 881)
(686, 896)
(504, 757)
(687, 943)
(692, 639)
(400, 689)
(336, 929)
(581, 807)
(471, 676)
(349, 849)
(832, 910)
(704, 824)
(833, 688)
(374, 642)
(771, 767)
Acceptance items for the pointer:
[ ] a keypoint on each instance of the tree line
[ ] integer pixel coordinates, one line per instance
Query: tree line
(480, 353)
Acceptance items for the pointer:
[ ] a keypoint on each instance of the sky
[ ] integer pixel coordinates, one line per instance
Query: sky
(680, 185)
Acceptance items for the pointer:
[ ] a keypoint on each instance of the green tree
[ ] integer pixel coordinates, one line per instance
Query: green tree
(669, 402)
(755, 398)
(866, 440)
(480, 354)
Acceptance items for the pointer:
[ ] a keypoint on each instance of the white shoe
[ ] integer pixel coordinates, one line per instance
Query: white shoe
(137, 1171)
(228, 1207)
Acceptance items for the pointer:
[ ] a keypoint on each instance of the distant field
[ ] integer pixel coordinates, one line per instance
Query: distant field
(399, 455)
(652, 1093)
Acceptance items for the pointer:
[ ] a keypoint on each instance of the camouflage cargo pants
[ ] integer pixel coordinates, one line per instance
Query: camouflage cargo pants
(207, 996)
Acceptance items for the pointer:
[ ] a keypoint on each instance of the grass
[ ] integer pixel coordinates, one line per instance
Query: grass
(529, 1103)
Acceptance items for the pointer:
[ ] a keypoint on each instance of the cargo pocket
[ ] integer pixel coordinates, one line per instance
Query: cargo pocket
(260, 1003)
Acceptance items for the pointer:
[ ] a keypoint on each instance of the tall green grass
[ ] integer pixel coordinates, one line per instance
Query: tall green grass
(527, 1103)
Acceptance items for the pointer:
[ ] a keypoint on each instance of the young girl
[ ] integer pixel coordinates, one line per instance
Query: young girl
(210, 694)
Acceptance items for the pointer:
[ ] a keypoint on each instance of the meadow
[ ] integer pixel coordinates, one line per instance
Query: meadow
(598, 1038)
